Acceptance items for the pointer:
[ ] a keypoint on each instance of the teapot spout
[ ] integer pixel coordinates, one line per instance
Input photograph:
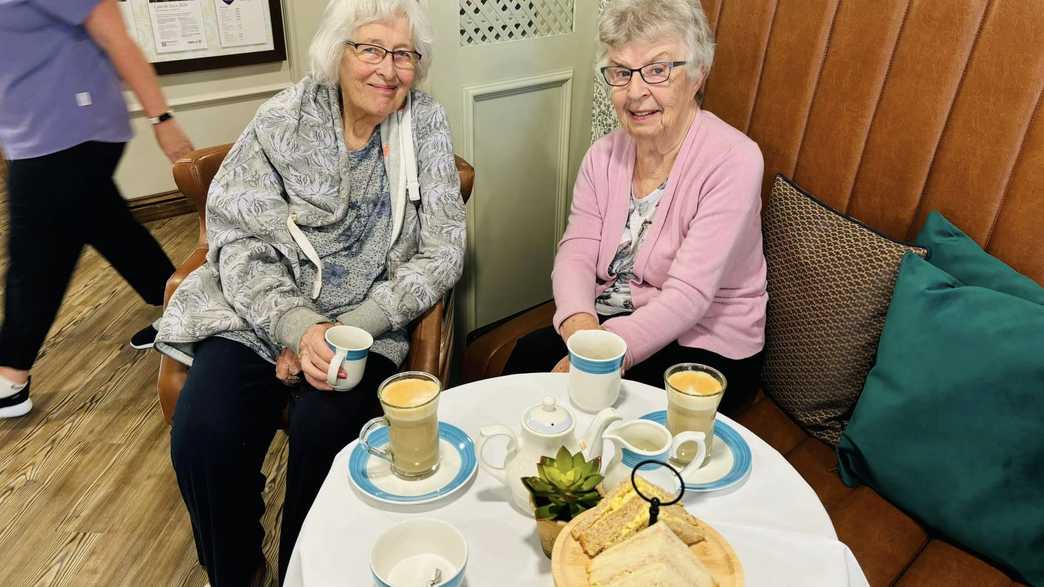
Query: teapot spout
(591, 443)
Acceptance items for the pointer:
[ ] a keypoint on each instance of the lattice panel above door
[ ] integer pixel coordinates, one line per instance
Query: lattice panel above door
(603, 117)
(483, 22)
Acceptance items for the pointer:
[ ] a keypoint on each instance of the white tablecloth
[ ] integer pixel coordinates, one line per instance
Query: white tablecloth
(773, 519)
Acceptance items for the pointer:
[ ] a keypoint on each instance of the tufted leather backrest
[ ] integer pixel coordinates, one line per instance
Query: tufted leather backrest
(888, 109)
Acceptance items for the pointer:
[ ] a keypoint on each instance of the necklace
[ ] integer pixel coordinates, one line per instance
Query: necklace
(351, 163)
(668, 157)
(374, 162)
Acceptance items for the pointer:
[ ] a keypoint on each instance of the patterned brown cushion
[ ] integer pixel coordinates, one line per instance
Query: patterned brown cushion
(830, 280)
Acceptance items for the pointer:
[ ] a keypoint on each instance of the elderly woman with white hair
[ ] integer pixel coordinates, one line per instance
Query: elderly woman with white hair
(663, 245)
(339, 204)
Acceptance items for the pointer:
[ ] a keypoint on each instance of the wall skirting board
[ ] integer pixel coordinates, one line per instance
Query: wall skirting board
(160, 206)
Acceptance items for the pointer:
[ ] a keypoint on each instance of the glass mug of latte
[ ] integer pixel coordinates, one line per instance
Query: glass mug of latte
(410, 401)
(693, 394)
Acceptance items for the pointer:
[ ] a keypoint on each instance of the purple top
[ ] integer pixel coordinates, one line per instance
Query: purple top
(57, 87)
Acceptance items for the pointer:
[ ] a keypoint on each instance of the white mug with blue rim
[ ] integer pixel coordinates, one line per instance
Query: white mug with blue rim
(595, 360)
(351, 346)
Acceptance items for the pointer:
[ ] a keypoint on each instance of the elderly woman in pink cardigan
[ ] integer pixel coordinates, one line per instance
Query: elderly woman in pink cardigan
(664, 240)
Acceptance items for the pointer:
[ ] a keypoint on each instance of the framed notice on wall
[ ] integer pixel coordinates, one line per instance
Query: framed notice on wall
(193, 35)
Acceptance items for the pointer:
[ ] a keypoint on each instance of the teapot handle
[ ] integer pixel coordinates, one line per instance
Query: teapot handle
(488, 432)
(591, 443)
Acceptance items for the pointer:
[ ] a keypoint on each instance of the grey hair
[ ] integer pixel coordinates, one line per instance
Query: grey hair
(343, 17)
(625, 21)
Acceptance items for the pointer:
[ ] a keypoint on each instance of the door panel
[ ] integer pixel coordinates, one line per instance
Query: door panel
(517, 232)
(516, 79)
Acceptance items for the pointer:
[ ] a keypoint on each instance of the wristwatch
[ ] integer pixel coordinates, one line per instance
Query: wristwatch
(162, 117)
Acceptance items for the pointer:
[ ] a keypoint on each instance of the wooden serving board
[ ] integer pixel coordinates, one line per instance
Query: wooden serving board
(569, 561)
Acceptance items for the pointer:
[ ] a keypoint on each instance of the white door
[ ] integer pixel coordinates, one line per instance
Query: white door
(516, 77)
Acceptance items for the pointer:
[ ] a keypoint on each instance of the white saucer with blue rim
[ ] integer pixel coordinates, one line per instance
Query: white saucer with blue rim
(727, 464)
(373, 476)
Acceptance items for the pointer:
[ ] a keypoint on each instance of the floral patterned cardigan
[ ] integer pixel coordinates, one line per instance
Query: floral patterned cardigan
(287, 175)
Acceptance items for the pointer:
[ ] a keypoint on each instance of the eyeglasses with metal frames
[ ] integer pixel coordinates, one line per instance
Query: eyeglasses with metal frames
(374, 54)
(652, 73)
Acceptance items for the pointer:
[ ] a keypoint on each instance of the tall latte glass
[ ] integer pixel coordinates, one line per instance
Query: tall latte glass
(693, 394)
(410, 401)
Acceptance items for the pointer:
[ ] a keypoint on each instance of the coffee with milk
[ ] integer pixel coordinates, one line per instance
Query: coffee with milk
(693, 394)
(414, 424)
(410, 401)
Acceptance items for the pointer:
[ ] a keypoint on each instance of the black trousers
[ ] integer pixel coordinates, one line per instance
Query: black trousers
(539, 351)
(57, 204)
(228, 412)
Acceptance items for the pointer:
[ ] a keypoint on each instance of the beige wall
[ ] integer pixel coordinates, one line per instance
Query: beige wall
(214, 106)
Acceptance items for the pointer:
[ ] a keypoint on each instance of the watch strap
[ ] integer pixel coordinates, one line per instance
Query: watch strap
(162, 117)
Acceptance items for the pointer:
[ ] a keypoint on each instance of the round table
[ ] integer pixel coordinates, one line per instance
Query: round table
(773, 519)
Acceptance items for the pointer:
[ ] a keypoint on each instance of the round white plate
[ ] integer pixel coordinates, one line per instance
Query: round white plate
(373, 476)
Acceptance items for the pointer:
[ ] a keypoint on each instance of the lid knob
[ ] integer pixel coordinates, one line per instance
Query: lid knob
(548, 418)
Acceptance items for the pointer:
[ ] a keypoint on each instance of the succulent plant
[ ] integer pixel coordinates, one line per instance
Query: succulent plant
(566, 485)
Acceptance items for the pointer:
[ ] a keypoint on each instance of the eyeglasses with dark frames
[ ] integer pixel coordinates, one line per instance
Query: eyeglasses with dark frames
(374, 54)
(653, 73)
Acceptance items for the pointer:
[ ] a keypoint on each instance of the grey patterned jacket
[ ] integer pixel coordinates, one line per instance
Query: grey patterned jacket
(288, 170)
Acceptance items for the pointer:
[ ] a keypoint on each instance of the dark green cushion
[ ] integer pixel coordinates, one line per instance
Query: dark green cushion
(956, 253)
(950, 425)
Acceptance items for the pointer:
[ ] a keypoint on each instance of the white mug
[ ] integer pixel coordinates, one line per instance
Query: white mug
(595, 360)
(351, 346)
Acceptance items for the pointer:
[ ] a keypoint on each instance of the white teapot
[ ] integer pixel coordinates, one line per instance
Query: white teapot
(545, 428)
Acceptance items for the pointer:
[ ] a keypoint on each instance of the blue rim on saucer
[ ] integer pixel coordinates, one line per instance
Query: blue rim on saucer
(741, 458)
(448, 433)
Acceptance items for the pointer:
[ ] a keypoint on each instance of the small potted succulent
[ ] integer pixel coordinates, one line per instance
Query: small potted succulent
(565, 487)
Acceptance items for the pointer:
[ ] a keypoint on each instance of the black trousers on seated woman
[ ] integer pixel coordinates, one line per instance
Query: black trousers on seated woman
(541, 350)
(228, 412)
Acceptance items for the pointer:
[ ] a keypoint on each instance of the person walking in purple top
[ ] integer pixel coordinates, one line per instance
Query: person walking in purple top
(63, 127)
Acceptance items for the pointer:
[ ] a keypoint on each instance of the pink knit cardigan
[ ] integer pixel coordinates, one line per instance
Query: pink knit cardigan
(700, 267)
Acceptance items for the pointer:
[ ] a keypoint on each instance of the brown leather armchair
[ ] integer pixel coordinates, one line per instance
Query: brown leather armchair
(431, 336)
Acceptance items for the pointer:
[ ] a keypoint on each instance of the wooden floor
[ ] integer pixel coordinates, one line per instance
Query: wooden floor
(87, 493)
